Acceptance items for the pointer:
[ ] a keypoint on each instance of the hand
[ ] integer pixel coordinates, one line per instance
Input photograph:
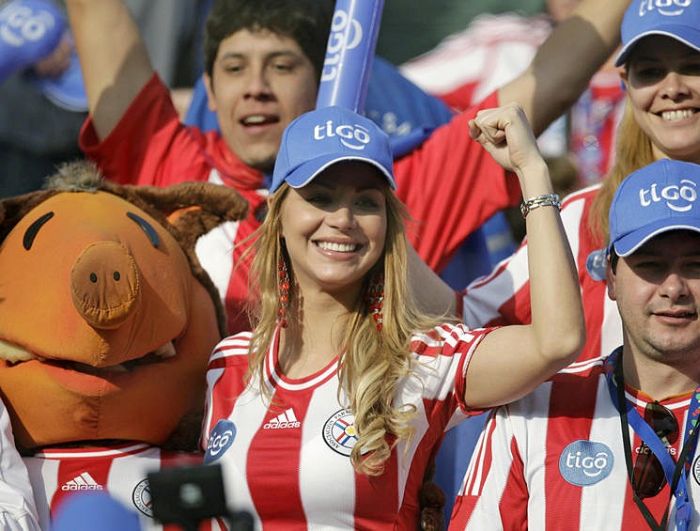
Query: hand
(506, 134)
(29, 31)
(57, 61)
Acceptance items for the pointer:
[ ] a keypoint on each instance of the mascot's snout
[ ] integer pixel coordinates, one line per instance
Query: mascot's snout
(105, 284)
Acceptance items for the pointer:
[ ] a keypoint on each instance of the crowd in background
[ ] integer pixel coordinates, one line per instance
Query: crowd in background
(606, 157)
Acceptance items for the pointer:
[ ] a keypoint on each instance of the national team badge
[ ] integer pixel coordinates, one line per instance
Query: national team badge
(696, 469)
(141, 497)
(220, 439)
(339, 432)
(585, 463)
(595, 264)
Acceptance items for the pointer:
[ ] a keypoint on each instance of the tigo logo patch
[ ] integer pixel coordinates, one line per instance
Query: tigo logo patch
(585, 463)
(220, 439)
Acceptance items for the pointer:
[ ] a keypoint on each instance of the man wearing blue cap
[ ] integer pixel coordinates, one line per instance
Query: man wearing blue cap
(610, 443)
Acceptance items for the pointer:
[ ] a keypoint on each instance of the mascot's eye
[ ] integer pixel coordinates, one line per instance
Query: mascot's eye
(33, 230)
(146, 227)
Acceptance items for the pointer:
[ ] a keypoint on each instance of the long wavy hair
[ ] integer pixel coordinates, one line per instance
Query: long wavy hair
(372, 361)
(633, 150)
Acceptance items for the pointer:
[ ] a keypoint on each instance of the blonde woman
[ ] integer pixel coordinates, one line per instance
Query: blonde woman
(327, 414)
(660, 58)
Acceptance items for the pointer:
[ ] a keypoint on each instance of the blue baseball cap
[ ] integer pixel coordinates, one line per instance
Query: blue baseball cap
(325, 136)
(680, 20)
(658, 198)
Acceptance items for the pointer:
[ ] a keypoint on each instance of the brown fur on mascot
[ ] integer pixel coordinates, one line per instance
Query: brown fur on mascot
(107, 321)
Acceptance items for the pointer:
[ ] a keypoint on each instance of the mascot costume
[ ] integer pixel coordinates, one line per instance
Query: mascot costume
(107, 321)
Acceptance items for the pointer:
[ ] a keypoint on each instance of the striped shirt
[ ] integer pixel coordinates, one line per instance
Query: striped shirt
(17, 507)
(555, 460)
(492, 51)
(119, 470)
(287, 459)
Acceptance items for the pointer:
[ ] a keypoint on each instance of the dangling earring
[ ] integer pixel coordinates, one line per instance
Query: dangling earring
(283, 287)
(375, 298)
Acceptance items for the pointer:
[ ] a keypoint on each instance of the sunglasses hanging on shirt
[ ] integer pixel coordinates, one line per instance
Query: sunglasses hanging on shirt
(648, 476)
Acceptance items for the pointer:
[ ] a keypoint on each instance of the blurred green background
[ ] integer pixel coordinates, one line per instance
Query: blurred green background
(411, 27)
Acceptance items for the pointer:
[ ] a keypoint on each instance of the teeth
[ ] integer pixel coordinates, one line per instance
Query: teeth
(339, 247)
(255, 119)
(13, 354)
(166, 351)
(672, 116)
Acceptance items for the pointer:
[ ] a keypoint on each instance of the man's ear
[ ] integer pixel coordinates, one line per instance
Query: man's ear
(610, 280)
(211, 100)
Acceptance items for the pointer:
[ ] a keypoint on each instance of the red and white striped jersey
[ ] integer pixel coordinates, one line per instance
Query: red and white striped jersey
(150, 146)
(120, 470)
(555, 460)
(287, 461)
(17, 509)
(503, 297)
(593, 122)
(492, 51)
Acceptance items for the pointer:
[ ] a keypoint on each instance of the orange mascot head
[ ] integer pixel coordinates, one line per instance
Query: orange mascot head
(106, 318)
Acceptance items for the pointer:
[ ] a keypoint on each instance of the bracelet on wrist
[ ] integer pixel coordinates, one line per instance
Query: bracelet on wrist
(539, 201)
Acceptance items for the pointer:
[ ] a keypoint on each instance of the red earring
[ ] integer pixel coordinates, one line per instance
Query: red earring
(283, 286)
(375, 299)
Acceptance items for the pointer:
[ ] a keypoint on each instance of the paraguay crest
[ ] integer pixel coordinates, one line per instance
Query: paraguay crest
(339, 432)
(141, 497)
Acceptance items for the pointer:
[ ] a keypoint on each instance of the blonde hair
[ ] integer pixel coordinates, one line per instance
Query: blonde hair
(373, 361)
(633, 150)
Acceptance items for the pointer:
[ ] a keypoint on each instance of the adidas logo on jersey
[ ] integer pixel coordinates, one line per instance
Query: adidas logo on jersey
(286, 420)
(82, 482)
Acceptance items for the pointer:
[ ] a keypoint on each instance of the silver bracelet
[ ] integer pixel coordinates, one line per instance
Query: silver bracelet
(539, 201)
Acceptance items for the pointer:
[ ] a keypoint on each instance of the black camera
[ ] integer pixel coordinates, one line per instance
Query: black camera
(190, 495)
